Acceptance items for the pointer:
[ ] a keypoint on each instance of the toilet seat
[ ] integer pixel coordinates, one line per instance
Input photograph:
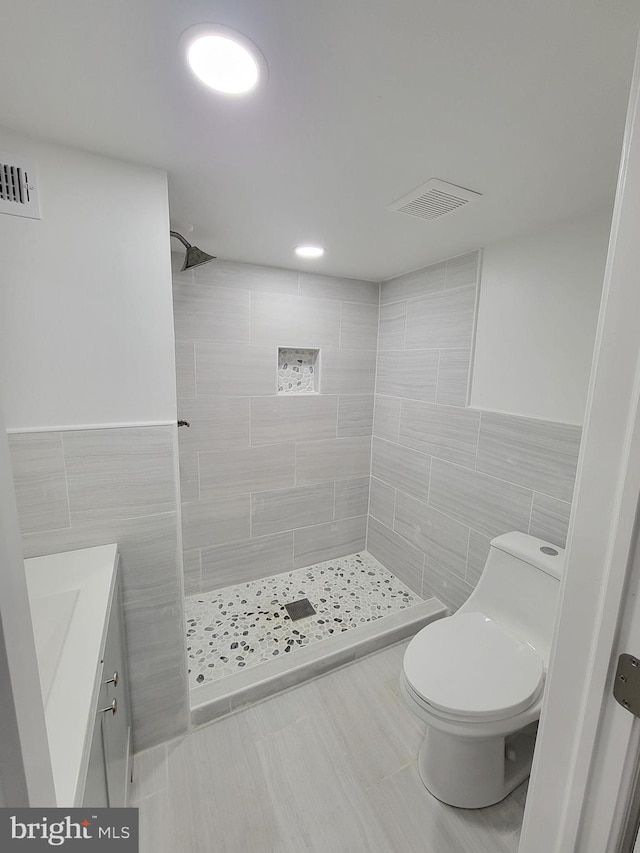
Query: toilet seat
(468, 668)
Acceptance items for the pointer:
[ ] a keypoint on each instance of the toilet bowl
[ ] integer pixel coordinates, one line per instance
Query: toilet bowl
(477, 678)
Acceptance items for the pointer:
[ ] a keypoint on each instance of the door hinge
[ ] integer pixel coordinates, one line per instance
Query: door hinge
(626, 687)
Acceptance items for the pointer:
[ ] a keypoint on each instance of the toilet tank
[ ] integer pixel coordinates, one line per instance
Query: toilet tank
(519, 588)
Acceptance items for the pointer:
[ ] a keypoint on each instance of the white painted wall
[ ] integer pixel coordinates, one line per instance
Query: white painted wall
(539, 302)
(86, 321)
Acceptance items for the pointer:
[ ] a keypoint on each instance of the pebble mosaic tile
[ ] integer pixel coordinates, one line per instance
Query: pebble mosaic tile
(244, 625)
(297, 371)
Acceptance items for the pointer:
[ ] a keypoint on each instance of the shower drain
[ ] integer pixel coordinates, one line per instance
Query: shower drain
(300, 609)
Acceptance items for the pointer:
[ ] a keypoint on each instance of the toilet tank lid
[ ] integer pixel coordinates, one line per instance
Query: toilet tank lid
(546, 556)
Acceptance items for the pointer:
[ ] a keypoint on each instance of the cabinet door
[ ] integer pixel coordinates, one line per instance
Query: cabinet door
(95, 789)
(116, 727)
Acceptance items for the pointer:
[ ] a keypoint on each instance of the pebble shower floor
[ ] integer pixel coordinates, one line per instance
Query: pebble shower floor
(244, 625)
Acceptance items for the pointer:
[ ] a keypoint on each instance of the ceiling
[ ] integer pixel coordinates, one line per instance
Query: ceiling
(521, 101)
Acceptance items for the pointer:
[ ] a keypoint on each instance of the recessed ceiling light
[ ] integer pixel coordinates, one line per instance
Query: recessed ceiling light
(309, 251)
(223, 59)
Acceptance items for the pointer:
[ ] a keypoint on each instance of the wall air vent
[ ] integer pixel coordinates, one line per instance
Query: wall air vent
(433, 199)
(18, 188)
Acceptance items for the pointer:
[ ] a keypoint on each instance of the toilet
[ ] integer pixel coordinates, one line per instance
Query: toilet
(477, 678)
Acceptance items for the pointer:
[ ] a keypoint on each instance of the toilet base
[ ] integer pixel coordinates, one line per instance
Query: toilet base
(472, 773)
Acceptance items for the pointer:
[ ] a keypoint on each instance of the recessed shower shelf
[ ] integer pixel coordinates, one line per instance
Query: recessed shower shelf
(298, 370)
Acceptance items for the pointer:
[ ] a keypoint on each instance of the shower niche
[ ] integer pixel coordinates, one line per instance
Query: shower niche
(298, 370)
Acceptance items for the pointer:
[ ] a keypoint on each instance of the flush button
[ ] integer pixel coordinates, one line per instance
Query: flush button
(550, 551)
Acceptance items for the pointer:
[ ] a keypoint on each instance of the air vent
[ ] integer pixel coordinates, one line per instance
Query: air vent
(18, 190)
(433, 199)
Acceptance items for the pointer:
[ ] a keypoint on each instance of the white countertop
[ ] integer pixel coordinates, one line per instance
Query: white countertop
(70, 596)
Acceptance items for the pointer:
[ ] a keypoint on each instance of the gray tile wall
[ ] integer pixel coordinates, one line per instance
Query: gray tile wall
(272, 483)
(83, 488)
(446, 478)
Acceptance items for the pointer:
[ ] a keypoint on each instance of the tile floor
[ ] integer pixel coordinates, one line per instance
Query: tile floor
(244, 625)
(329, 766)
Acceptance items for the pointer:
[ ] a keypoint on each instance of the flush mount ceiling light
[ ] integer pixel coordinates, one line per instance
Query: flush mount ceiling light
(309, 251)
(223, 59)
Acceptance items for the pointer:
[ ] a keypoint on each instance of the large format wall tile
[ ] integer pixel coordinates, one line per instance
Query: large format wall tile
(398, 555)
(146, 544)
(426, 280)
(39, 479)
(226, 565)
(382, 501)
(408, 374)
(318, 461)
(246, 277)
(192, 571)
(453, 377)
(444, 431)
(355, 415)
(386, 418)
(345, 371)
(237, 472)
(462, 271)
(189, 476)
(351, 498)
(119, 473)
(206, 313)
(216, 423)
(358, 326)
(489, 505)
(185, 369)
(293, 418)
(448, 586)
(229, 370)
(401, 468)
(442, 539)
(227, 390)
(540, 455)
(393, 321)
(159, 693)
(287, 509)
(446, 478)
(342, 289)
(443, 320)
(294, 321)
(215, 521)
(328, 541)
(550, 519)
(477, 556)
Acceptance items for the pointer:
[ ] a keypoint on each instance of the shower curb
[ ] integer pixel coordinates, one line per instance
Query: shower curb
(219, 698)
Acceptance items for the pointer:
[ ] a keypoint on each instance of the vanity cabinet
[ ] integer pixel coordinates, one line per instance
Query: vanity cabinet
(109, 763)
(78, 625)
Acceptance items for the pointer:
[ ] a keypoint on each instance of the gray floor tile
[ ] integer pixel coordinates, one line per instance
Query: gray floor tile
(327, 766)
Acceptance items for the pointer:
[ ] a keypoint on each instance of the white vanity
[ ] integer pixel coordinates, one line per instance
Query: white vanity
(76, 609)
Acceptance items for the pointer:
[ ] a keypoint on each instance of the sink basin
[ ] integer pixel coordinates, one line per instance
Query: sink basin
(51, 616)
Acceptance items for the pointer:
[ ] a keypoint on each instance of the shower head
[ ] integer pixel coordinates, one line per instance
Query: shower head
(194, 256)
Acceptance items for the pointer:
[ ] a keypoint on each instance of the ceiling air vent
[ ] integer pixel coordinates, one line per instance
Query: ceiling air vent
(433, 199)
(18, 190)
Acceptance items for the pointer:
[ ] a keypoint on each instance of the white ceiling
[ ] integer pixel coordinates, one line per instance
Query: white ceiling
(521, 101)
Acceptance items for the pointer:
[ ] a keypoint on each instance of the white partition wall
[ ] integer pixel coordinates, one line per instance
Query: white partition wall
(537, 314)
(87, 371)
